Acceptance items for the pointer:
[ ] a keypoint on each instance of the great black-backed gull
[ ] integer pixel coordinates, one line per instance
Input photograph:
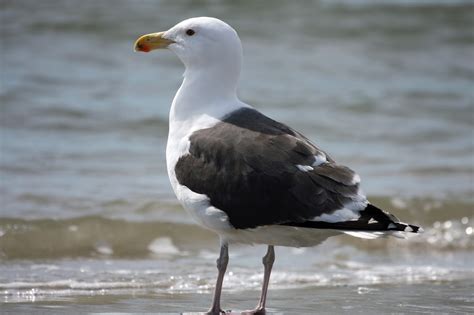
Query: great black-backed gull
(247, 177)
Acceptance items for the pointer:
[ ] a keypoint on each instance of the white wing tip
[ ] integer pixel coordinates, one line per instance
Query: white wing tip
(304, 168)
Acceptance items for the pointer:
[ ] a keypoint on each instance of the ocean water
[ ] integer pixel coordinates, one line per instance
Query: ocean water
(88, 221)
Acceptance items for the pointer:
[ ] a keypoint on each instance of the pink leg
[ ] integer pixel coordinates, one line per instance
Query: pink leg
(221, 267)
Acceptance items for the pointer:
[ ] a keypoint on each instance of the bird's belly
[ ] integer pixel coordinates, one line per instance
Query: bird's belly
(279, 235)
(201, 210)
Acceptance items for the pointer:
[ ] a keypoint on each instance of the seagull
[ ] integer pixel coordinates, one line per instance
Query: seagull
(243, 175)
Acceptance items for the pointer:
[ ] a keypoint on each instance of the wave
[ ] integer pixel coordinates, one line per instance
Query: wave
(143, 282)
(93, 236)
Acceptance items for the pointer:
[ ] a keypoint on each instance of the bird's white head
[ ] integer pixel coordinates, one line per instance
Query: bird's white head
(202, 43)
(212, 54)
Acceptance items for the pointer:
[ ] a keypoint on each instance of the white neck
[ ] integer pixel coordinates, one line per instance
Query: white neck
(210, 90)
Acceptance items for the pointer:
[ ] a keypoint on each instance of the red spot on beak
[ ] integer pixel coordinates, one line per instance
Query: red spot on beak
(144, 48)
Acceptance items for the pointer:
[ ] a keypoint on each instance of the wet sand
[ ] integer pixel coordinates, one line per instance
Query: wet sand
(425, 298)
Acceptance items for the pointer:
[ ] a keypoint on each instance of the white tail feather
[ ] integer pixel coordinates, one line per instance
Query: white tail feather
(373, 235)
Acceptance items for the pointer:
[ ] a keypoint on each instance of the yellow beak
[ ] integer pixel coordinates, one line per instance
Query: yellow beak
(149, 42)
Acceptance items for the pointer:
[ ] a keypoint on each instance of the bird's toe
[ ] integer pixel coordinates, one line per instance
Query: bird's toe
(256, 311)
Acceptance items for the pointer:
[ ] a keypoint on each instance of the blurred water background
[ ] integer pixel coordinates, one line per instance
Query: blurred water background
(89, 223)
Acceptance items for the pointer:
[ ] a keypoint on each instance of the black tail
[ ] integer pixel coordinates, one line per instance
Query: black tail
(371, 219)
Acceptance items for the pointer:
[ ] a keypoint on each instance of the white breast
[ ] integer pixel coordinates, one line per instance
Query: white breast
(178, 140)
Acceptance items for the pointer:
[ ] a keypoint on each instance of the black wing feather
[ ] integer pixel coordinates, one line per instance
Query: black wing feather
(247, 166)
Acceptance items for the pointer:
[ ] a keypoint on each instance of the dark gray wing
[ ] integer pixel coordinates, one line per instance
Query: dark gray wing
(261, 172)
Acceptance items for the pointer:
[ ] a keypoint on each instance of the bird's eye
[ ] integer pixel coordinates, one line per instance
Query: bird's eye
(190, 32)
